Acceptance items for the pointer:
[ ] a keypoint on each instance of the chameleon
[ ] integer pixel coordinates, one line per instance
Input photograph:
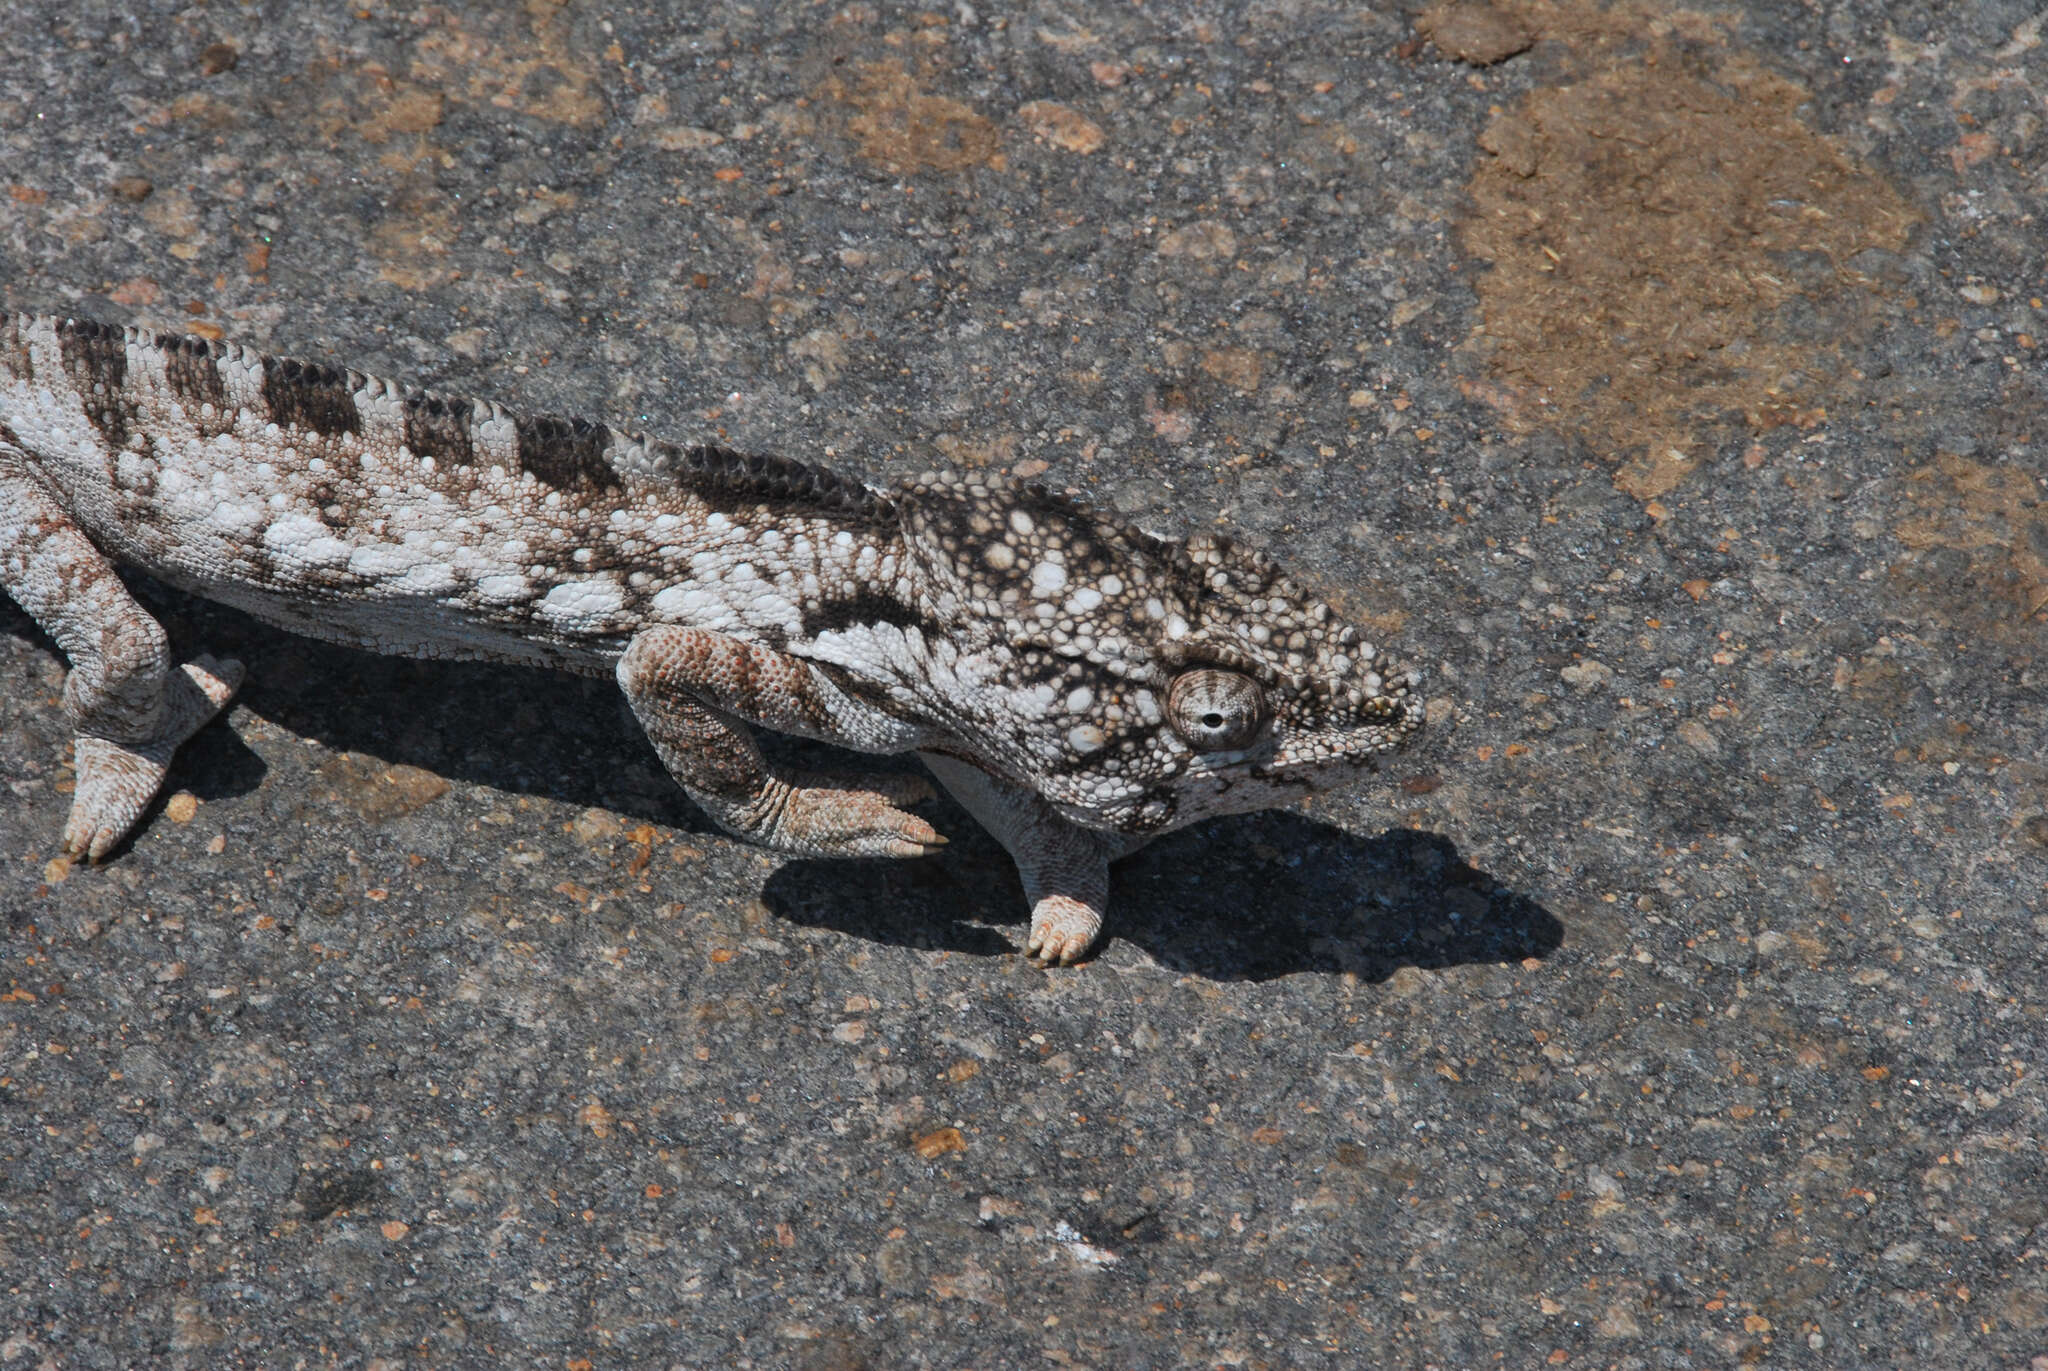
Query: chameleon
(1079, 685)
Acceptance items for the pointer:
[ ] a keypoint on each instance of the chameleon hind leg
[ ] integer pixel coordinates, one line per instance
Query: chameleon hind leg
(129, 704)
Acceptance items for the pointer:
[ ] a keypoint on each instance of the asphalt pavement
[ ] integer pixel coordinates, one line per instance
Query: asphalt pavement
(1667, 383)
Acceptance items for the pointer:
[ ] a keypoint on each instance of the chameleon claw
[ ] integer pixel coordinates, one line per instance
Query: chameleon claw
(116, 781)
(1062, 931)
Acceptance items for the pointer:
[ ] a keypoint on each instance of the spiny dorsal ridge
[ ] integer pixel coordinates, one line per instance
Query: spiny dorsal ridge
(742, 477)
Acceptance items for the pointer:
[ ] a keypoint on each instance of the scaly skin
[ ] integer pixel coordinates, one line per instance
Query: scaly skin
(1080, 685)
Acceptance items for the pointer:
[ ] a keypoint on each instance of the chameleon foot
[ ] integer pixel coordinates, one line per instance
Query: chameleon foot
(117, 781)
(839, 816)
(1062, 930)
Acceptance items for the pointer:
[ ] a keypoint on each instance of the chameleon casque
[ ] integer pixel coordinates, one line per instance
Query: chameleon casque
(1079, 685)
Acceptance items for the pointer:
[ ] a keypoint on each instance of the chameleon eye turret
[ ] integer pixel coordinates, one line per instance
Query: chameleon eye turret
(1217, 711)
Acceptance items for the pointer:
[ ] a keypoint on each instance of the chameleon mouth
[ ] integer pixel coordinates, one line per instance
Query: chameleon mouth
(1206, 764)
(1299, 760)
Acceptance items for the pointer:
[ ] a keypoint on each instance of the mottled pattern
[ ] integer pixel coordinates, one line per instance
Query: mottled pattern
(193, 375)
(1081, 684)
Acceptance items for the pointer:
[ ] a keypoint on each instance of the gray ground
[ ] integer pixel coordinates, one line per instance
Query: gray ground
(1677, 1004)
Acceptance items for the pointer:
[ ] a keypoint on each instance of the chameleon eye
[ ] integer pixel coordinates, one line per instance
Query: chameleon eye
(1216, 711)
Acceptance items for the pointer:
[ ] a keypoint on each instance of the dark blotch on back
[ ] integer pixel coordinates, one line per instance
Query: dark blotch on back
(734, 482)
(14, 348)
(310, 396)
(565, 453)
(439, 428)
(194, 377)
(866, 607)
(96, 358)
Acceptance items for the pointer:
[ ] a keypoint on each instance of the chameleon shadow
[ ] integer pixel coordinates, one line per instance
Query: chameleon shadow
(1250, 897)
(1254, 897)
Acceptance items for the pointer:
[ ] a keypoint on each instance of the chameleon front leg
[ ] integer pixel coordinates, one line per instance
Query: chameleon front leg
(1064, 867)
(691, 688)
(129, 704)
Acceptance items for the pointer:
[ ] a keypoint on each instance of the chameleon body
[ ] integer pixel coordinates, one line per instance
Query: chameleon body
(1080, 685)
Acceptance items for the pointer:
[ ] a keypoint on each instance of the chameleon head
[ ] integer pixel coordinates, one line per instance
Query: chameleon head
(1263, 698)
(1159, 683)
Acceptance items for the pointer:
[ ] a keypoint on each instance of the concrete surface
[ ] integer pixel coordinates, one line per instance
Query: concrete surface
(1670, 389)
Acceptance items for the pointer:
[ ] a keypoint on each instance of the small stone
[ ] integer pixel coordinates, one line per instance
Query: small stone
(937, 1143)
(594, 826)
(595, 1117)
(1408, 981)
(1980, 295)
(1205, 240)
(180, 808)
(380, 793)
(1696, 736)
(395, 1230)
(1061, 126)
(1477, 34)
(1587, 676)
(1238, 368)
(133, 188)
(684, 138)
(136, 291)
(412, 786)
(468, 342)
(1408, 311)
(1171, 423)
(217, 58)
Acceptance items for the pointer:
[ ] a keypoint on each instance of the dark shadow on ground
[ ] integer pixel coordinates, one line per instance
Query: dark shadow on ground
(1248, 898)
(1252, 897)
